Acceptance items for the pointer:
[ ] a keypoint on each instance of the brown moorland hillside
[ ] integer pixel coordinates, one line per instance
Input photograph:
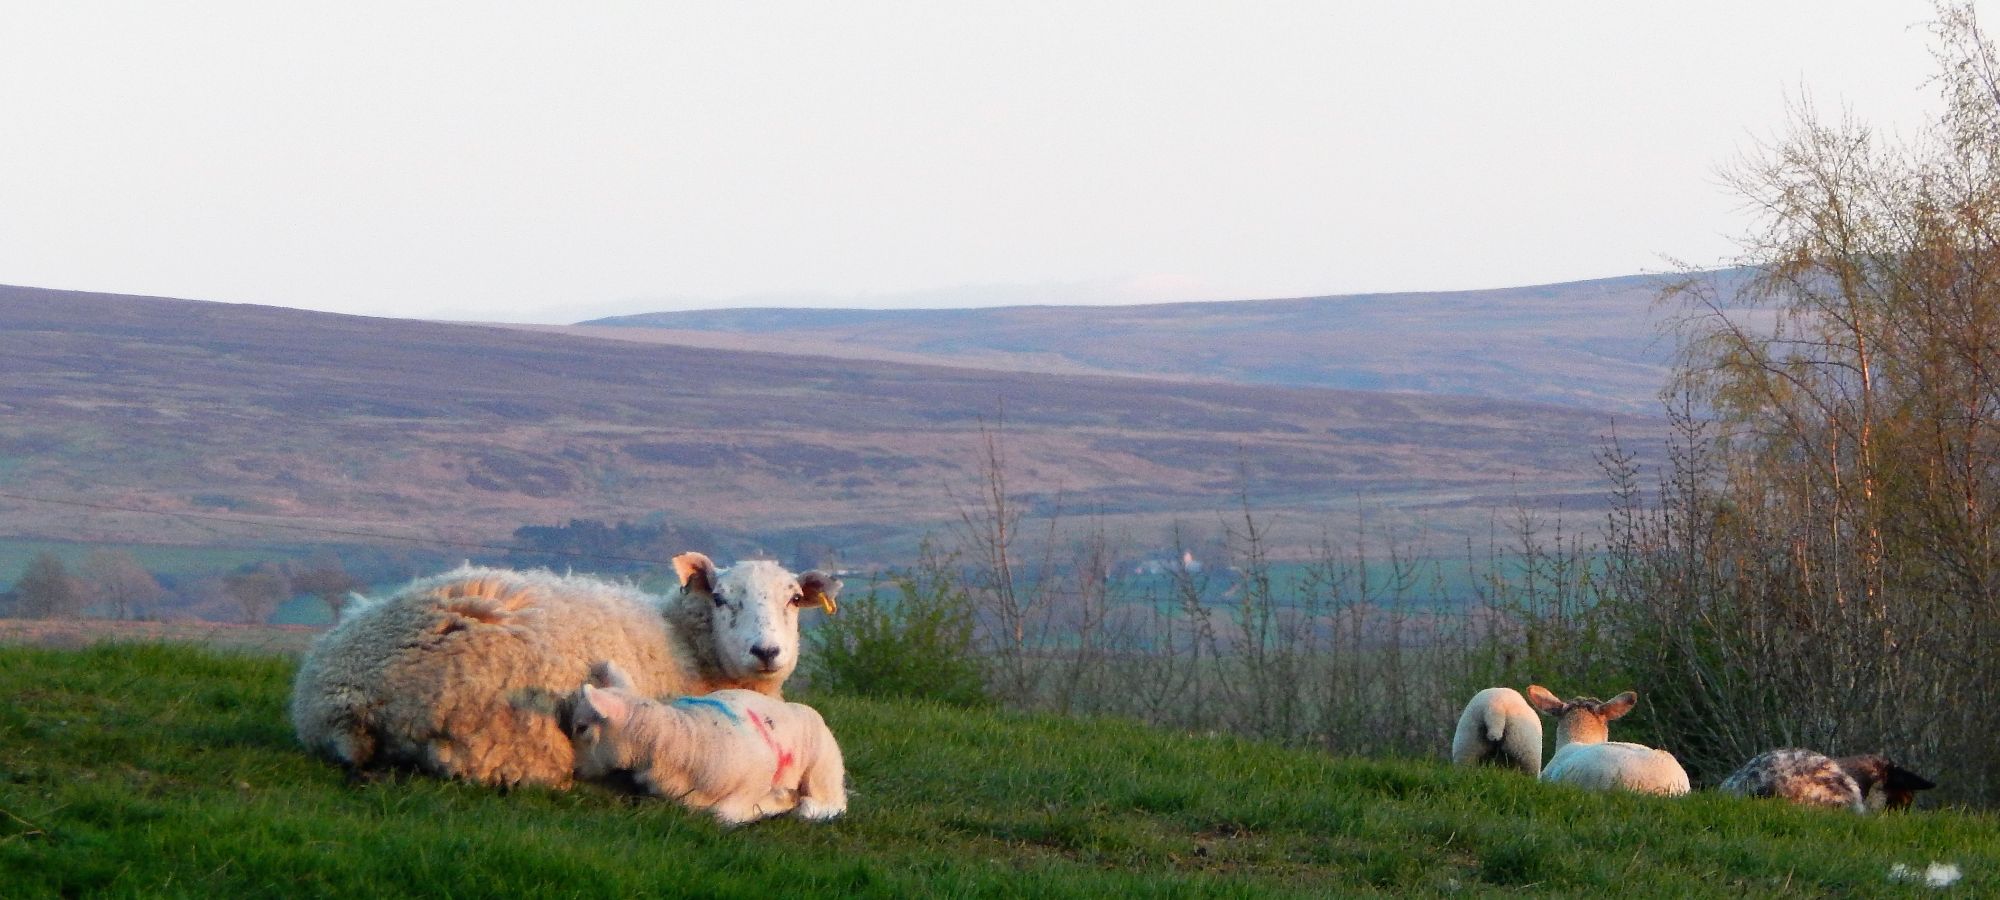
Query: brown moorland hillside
(427, 429)
(1588, 343)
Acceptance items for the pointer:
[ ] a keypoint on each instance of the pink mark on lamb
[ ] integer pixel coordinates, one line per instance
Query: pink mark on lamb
(785, 758)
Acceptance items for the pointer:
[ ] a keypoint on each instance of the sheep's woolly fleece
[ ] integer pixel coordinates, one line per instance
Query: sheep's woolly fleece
(1799, 776)
(1618, 765)
(738, 754)
(1861, 783)
(1586, 758)
(1498, 727)
(462, 674)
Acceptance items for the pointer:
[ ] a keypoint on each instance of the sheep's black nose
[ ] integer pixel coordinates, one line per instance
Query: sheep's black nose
(768, 654)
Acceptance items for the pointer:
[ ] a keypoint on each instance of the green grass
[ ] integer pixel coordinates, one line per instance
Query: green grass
(171, 771)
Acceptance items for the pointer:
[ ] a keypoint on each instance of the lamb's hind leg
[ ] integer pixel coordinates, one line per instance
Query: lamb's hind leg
(823, 790)
(738, 809)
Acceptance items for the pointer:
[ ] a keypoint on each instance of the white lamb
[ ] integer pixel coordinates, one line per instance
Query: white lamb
(460, 675)
(1585, 758)
(738, 754)
(1499, 727)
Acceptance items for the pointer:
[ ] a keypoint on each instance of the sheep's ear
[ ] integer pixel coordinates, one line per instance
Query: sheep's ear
(697, 573)
(1547, 702)
(1618, 706)
(1901, 779)
(819, 589)
(601, 706)
(605, 673)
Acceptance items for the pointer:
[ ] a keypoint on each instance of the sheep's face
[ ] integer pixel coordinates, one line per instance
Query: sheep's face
(755, 613)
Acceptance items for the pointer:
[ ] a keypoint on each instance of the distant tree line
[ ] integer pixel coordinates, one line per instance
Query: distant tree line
(648, 546)
(113, 584)
(626, 547)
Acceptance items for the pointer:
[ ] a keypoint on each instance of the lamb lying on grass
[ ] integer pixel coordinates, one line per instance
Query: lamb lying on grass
(738, 754)
(1585, 758)
(1500, 728)
(459, 674)
(1859, 783)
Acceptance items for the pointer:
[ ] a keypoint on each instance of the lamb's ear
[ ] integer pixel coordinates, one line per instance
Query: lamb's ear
(819, 589)
(1618, 706)
(1901, 779)
(696, 571)
(1547, 702)
(578, 717)
(605, 673)
(600, 705)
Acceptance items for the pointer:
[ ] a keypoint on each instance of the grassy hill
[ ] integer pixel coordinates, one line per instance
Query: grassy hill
(176, 421)
(165, 770)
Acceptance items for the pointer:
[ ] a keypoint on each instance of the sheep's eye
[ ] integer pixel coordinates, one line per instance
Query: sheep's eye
(798, 599)
(720, 600)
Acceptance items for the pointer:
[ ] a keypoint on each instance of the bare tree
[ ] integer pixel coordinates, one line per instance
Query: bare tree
(258, 592)
(115, 580)
(326, 578)
(1011, 588)
(47, 590)
(1085, 606)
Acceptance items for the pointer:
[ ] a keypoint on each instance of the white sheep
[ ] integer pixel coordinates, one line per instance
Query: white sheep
(1864, 783)
(460, 675)
(1500, 728)
(1585, 757)
(738, 754)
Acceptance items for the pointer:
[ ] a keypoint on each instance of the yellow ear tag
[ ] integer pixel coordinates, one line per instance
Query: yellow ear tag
(826, 603)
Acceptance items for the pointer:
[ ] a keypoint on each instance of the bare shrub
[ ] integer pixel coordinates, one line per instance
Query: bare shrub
(1361, 649)
(914, 643)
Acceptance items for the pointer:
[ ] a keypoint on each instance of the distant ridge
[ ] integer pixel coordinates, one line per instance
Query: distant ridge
(1587, 344)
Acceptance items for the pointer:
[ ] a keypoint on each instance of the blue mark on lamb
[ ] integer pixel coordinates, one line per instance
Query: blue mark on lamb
(717, 705)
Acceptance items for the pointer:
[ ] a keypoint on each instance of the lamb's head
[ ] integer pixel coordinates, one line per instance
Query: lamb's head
(596, 716)
(752, 614)
(1883, 784)
(1582, 720)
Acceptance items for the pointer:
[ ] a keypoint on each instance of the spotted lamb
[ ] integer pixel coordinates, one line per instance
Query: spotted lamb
(1864, 783)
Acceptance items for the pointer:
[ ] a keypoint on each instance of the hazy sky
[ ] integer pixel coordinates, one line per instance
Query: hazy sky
(551, 162)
